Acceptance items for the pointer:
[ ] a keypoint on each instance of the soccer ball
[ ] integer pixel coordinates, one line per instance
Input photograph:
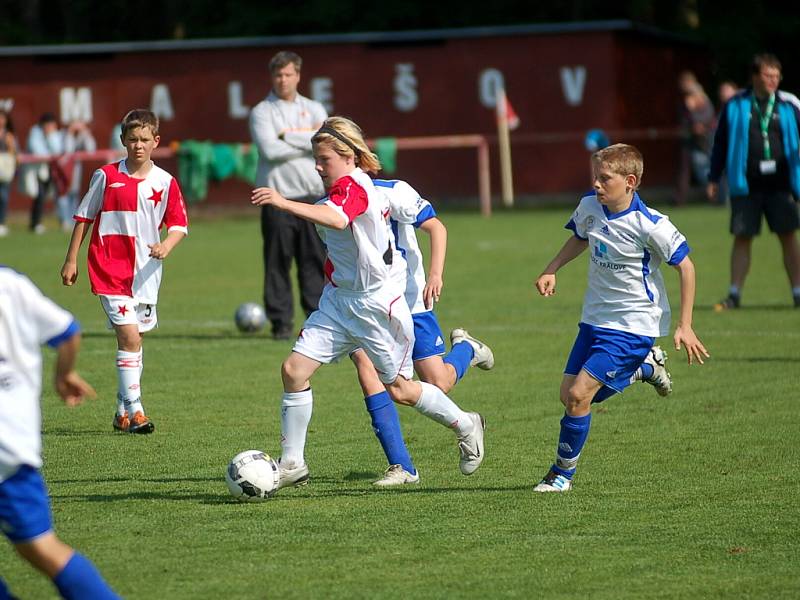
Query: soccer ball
(250, 317)
(252, 476)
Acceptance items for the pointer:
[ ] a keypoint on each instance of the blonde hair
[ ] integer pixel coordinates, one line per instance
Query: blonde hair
(139, 117)
(346, 139)
(622, 159)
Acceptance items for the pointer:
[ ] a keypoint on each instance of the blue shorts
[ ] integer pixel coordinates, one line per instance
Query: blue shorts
(428, 338)
(610, 356)
(24, 506)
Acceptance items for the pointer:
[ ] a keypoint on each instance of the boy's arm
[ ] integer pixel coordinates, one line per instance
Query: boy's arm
(434, 283)
(684, 334)
(162, 249)
(546, 282)
(266, 138)
(320, 214)
(69, 272)
(71, 387)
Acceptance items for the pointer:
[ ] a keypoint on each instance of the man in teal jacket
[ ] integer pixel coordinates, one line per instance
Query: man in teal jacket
(756, 145)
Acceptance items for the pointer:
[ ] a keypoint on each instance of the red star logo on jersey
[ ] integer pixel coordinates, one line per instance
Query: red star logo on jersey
(122, 309)
(156, 197)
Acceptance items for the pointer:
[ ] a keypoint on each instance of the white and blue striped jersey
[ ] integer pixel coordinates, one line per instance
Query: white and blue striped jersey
(28, 319)
(626, 290)
(407, 211)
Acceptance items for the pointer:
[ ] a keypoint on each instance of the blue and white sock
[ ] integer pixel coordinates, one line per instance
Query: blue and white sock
(460, 355)
(80, 579)
(574, 431)
(734, 291)
(296, 410)
(645, 371)
(386, 425)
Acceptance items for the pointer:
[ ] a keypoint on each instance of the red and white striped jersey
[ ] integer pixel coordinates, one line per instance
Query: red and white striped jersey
(360, 257)
(128, 214)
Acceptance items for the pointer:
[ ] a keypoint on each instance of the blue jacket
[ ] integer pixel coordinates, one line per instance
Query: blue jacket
(732, 136)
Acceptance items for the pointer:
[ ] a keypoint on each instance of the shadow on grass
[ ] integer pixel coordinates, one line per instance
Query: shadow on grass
(326, 488)
(759, 359)
(747, 308)
(220, 335)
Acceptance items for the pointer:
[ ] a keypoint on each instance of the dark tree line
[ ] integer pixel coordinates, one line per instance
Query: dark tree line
(732, 30)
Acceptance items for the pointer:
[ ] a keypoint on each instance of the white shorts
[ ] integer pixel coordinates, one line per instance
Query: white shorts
(380, 323)
(124, 310)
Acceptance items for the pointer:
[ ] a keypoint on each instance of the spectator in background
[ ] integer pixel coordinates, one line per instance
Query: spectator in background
(756, 145)
(281, 127)
(697, 122)
(44, 139)
(8, 165)
(726, 90)
(115, 141)
(78, 138)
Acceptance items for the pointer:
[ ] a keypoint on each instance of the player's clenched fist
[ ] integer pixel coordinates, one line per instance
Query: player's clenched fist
(69, 273)
(546, 284)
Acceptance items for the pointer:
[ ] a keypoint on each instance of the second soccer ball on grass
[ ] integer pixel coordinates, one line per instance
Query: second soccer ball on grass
(250, 317)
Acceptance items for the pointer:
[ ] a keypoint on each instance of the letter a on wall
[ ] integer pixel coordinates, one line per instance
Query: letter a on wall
(161, 102)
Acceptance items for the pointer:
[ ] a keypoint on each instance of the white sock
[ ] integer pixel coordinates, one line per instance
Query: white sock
(295, 415)
(128, 382)
(434, 404)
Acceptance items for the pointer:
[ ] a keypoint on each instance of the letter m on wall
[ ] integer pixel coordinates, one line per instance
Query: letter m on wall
(76, 104)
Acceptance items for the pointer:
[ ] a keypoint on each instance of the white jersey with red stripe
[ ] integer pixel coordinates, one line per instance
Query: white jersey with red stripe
(128, 214)
(362, 256)
(407, 211)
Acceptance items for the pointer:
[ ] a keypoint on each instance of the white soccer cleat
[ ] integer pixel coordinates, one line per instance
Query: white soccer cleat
(471, 446)
(483, 358)
(661, 379)
(396, 475)
(553, 482)
(292, 476)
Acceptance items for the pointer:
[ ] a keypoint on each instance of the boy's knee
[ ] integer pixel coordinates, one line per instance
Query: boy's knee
(576, 401)
(47, 554)
(402, 392)
(441, 381)
(289, 372)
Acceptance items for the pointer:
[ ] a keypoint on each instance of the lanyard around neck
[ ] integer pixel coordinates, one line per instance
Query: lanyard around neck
(763, 122)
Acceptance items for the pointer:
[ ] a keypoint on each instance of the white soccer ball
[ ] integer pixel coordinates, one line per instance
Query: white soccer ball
(250, 317)
(252, 476)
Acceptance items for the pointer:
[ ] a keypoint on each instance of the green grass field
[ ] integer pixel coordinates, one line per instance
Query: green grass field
(692, 496)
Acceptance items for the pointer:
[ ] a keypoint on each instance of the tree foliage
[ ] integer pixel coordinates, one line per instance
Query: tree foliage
(733, 30)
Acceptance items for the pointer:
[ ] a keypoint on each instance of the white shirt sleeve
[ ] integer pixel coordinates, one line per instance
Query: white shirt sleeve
(93, 200)
(264, 133)
(405, 203)
(47, 319)
(665, 239)
(577, 222)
